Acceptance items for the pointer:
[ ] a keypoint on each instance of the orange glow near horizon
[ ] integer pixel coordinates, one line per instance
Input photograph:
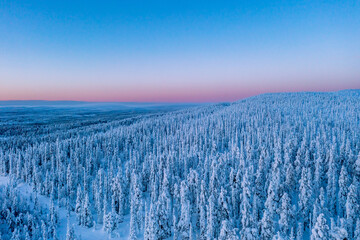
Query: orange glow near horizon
(152, 94)
(179, 51)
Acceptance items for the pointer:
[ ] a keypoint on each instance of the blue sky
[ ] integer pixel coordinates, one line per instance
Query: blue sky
(176, 50)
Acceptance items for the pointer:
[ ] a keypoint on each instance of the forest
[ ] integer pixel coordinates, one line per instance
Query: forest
(272, 166)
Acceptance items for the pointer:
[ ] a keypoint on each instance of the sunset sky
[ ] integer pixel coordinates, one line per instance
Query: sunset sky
(176, 51)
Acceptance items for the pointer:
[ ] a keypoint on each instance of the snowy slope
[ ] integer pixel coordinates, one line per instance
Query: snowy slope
(277, 166)
(94, 233)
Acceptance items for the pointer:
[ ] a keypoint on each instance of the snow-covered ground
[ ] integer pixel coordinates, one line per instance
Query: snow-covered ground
(94, 233)
(278, 166)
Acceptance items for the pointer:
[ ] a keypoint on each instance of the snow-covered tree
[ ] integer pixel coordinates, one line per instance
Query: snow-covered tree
(266, 167)
(227, 232)
(343, 188)
(321, 229)
(79, 206)
(286, 215)
(352, 209)
(70, 234)
(267, 226)
(212, 219)
(86, 215)
(305, 195)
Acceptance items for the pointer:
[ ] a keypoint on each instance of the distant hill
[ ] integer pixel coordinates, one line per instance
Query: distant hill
(118, 106)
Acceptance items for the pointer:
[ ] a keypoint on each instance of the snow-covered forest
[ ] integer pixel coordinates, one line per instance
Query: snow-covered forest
(274, 166)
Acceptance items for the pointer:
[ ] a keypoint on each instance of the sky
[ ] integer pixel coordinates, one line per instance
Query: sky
(176, 51)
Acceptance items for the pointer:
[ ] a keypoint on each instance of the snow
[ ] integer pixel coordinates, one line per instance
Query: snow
(266, 166)
(94, 233)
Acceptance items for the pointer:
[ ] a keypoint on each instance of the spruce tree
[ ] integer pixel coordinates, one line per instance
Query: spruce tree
(321, 229)
(86, 215)
(343, 188)
(286, 215)
(266, 226)
(79, 206)
(352, 209)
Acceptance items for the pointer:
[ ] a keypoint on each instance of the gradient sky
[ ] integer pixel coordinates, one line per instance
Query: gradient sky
(176, 51)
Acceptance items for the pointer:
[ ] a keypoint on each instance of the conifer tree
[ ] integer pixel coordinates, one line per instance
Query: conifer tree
(286, 215)
(343, 188)
(135, 207)
(44, 230)
(321, 229)
(267, 227)
(246, 214)
(162, 217)
(357, 230)
(86, 215)
(79, 206)
(70, 235)
(305, 195)
(202, 209)
(227, 232)
(352, 209)
(212, 219)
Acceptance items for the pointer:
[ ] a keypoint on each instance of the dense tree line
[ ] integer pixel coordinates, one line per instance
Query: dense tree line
(275, 166)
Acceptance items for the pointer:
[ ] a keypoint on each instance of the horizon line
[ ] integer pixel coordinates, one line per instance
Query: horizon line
(172, 102)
